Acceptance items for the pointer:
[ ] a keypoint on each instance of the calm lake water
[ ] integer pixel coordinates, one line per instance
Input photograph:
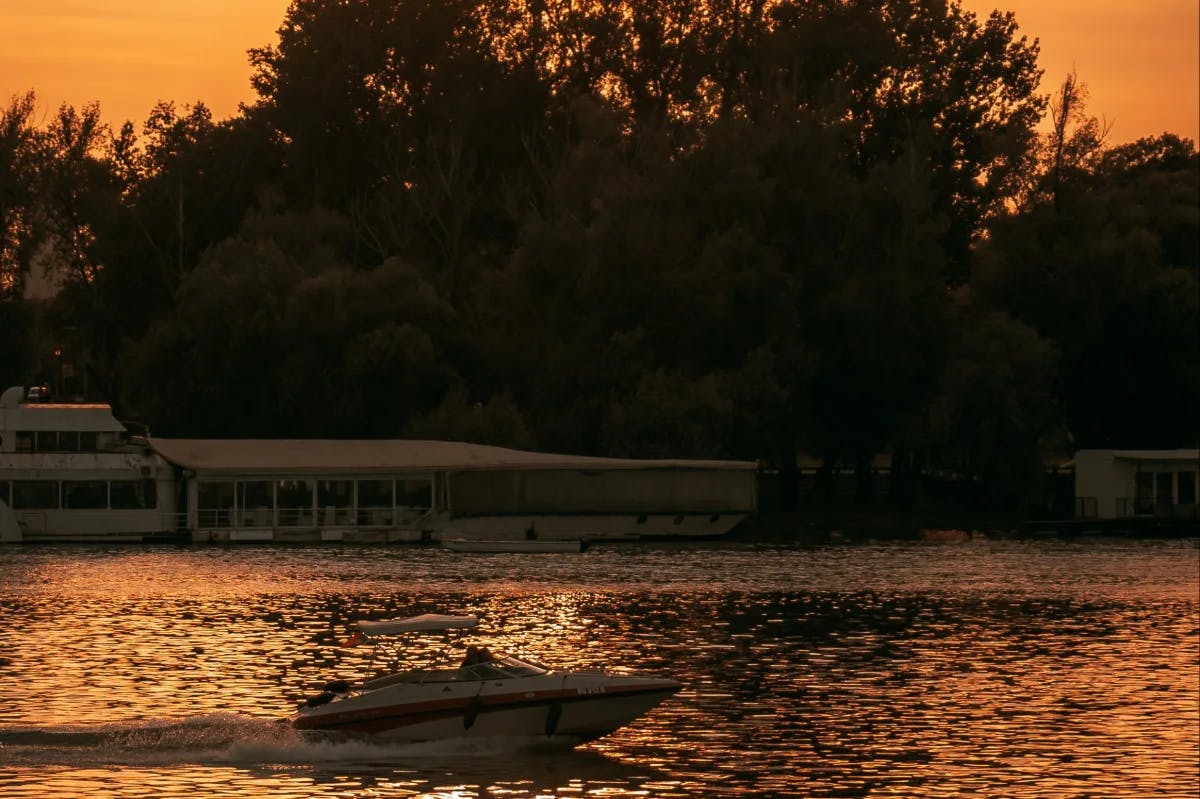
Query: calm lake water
(985, 668)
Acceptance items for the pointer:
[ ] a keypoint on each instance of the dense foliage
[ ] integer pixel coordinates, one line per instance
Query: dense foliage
(672, 227)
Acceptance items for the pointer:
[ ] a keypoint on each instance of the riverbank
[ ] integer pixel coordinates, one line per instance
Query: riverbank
(826, 525)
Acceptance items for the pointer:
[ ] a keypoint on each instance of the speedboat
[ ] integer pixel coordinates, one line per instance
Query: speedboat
(485, 695)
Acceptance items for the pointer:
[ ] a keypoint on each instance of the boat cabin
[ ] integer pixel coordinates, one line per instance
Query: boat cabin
(72, 471)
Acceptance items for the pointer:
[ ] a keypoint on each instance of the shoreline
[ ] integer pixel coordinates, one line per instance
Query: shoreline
(831, 525)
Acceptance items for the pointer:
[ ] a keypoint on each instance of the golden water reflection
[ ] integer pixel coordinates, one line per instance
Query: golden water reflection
(1004, 668)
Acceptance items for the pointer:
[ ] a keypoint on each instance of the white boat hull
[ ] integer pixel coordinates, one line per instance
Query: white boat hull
(100, 524)
(577, 707)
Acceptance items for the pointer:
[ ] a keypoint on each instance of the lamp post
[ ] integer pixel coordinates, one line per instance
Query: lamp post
(58, 372)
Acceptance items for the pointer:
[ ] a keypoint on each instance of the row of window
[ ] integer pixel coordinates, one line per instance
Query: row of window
(1163, 488)
(263, 503)
(79, 494)
(57, 441)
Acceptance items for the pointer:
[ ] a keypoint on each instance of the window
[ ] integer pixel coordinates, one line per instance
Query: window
(88, 442)
(1164, 488)
(256, 503)
(335, 493)
(133, 494)
(335, 501)
(24, 441)
(485, 671)
(214, 504)
(375, 502)
(294, 498)
(5, 494)
(415, 493)
(84, 494)
(35, 494)
(1143, 496)
(1186, 494)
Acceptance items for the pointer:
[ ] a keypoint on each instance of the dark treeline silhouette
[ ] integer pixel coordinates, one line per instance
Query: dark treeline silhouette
(710, 228)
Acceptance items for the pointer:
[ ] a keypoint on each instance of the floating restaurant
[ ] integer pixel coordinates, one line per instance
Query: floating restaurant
(71, 471)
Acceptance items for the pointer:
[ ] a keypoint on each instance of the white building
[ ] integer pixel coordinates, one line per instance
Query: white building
(404, 490)
(1129, 483)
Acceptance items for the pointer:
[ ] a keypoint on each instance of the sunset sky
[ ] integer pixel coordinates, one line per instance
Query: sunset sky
(1140, 60)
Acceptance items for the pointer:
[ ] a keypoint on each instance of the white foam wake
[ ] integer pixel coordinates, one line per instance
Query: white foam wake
(228, 738)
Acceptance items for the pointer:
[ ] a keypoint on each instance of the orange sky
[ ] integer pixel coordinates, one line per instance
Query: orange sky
(1140, 58)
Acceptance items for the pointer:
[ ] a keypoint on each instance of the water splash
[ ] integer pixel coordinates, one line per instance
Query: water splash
(209, 738)
(233, 739)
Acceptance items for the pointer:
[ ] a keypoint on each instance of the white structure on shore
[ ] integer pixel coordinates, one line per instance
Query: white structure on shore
(1126, 483)
(71, 471)
(405, 490)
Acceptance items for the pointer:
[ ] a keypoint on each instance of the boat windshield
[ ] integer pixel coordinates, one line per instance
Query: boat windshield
(500, 669)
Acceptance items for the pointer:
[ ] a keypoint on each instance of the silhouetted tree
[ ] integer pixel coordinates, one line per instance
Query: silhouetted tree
(18, 165)
(673, 227)
(1110, 274)
(19, 161)
(1075, 142)
(996, 405)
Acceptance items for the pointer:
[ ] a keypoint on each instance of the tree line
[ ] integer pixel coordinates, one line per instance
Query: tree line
(712, 228)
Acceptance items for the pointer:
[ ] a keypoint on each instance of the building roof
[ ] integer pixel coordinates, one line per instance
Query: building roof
(93, 418)
(1157, 454)
(386, 456)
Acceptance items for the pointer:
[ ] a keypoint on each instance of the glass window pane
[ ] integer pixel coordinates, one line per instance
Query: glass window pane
(375, 501)
(415, 493)
(46, 441)
(133, 494)
(5, 495)
(214, 504)
(24, 441)
(89, 494)
(1143, 497)
(1164, 485)
(294, 498)
(256, 503)
(35, 494)
(87, 442)
(1186, 488)
(335, 493)
(335, 502)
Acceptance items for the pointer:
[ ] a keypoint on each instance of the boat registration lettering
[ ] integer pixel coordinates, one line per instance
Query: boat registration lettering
(591, 689)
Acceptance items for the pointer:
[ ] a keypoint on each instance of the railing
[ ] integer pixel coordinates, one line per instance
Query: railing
(1130, 507)
(1086, 508)
(330, 516)
(1125, 508)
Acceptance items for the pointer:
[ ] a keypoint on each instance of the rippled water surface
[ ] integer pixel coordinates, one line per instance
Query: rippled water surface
(987, 668)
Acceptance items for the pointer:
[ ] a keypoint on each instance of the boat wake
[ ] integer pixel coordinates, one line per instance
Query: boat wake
(227, 738)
